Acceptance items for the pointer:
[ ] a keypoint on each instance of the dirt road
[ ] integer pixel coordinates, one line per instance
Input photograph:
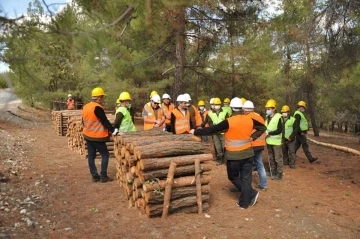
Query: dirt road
(50, 195)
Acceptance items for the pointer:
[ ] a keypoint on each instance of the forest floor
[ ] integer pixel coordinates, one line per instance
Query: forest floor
(46, 192)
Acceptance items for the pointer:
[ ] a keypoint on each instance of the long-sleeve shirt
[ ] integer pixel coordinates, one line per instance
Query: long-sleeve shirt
(224, 126)
(100, 113)
(296, 127)
(118, 118)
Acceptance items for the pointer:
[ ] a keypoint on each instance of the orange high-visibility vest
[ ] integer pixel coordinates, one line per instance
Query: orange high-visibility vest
(203, 117)
(261, 140)
(151, 115)
(70, 104)
(195, 115)
(239, 132)
(93, 129)
(167, 111)
(182, 122)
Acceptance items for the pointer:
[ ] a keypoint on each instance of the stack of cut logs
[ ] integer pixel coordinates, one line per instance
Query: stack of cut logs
(150, 161)
(60, 119)
(75, 136)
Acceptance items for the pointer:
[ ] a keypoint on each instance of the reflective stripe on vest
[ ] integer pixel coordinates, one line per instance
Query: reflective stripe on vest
(304, 126)
(239, 132)
(127, 125)
(272, 126)
(182, 122)
(261, 140)
(151, 115)
(289, 127)
(167, 111)
(217, 118)
(92, 125)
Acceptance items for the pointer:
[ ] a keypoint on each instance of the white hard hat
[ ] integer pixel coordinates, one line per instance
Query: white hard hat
(236, 103)
(187, 96)
(248, 106)
(166, 96)
(181, 98)
(211, 101)
(69, 95)
(156, 98)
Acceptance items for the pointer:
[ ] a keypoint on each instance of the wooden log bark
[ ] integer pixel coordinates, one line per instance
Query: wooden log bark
(157, 196)
(334, 146)
(198, 186)
(178, 182)
(155, 210)
(167, 149)
(180, 172)
(168, 187)
(159, 163)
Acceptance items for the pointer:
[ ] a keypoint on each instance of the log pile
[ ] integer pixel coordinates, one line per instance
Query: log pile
(144, 171)
(60, 120)
(75, 136)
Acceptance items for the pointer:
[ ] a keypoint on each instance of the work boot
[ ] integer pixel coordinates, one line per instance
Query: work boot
(95, 179)
(313, 160)
(234, 190)
(278, 176)
(106, 179)
(292, 166)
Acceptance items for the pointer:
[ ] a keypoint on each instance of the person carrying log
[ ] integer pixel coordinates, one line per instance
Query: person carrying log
(180, 117)
(300, 130)
(123, 120)
(96, 128)
(214, 117)
(274, 132)
(203, 114)
(258, 145)
(153, 115)
(70, 102)
(240, 130)
(168, 107)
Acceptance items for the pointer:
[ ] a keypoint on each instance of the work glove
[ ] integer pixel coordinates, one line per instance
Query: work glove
(116, 131)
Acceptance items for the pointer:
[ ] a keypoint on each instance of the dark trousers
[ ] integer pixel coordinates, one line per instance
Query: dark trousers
(92, 147)
(288, 151)
(240, 174)
(301, 140)
(168, 128)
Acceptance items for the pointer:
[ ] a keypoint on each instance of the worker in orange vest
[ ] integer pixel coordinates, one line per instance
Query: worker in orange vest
(180, 117)
(96, 128)
(70, 102)
(153, 115)
(203, 114)
(168, 107)
(239, 130)
(194, 113)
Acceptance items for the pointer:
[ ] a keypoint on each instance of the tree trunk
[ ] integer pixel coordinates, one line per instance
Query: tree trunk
(178, 182)
(180, 172)
(180, 51)
(167, 149)
(157, 197)
(154, 210)
(159, 163)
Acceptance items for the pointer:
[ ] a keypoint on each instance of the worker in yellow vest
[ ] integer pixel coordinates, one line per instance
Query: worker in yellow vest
(226, 107)
(214, 117)
(258, 145)
(180, 117)
(168, 107)
(301, 127)
(203, 114)
(123, 120)
(274, 132)
(153, 114)
(288, 147)
(96, 128)
(240, 130)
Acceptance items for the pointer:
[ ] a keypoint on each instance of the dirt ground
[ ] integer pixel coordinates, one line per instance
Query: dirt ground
(47, 192)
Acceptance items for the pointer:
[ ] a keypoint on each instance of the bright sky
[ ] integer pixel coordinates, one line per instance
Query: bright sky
(16, 8)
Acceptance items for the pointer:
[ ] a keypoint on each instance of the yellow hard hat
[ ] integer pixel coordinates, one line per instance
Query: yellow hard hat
(270, 104)
(201, 103)
(301, 103)
(285, 108)
(154, 92)
(226, 100)
(124, 96)
(243, 100)
(118, 101)
(98, 91)
(217, 101)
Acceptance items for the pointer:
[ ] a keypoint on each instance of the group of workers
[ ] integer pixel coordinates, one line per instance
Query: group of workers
(239, 134)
